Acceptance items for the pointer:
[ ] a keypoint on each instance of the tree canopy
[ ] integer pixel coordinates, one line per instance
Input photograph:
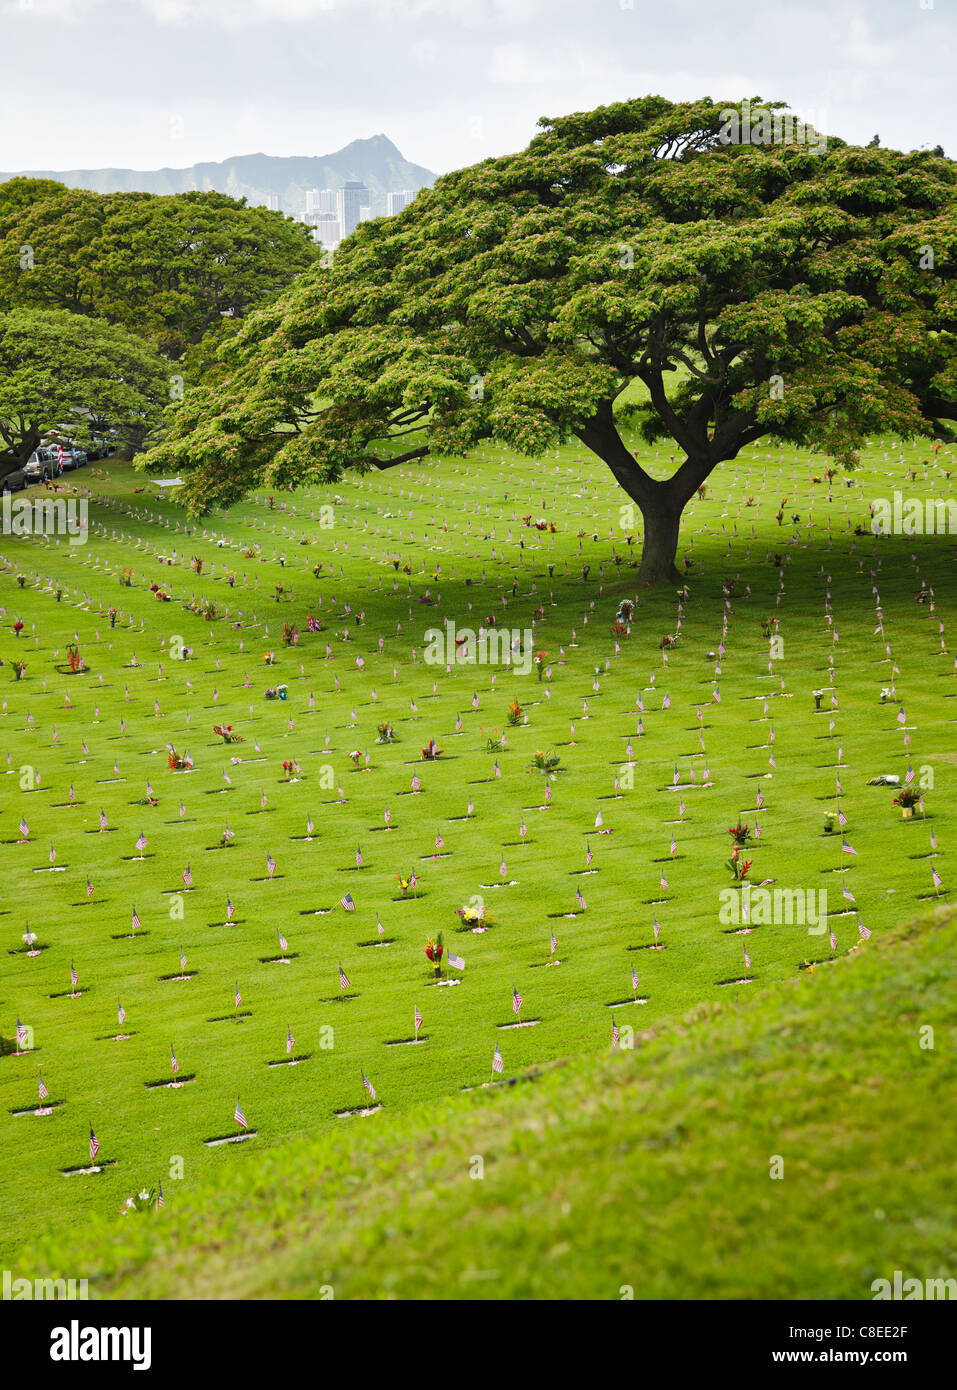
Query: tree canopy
(170, 268)
(59, 369)
(783, 287)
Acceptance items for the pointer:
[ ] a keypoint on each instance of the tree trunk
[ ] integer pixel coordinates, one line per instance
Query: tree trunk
(662, 521)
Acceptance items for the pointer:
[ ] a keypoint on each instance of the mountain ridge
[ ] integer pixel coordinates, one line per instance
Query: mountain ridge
(374, 160)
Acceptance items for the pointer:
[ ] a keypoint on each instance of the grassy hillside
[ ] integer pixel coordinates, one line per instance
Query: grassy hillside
(646, 1168)
(732, 718)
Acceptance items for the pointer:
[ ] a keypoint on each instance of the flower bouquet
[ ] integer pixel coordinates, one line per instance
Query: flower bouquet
(278, 692)
(18, 669)
(225, 732)
(516, 714)
(433, 951)
(739, 868)
(740, 833)
(179, 762)
(356, 757)
(386, 733)
(907, 798)
(544, 762)
(430, 752)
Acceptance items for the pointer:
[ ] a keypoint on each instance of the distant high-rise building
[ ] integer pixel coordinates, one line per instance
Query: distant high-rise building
(270, 201)
(321, 200)
(351, 200)
(326, 225)
(395, 202)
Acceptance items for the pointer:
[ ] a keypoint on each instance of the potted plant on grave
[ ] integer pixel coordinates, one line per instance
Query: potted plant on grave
(515, 713)
(830, 822)
(18, 669)
(74, 658)
(386, 733)
(197, 564)
(540, 659)
(18, 627)
(434, 950)
(356, 757)
(907, 798)
(112, 615)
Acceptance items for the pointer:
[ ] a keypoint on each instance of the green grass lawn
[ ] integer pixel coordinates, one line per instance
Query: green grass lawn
(794, 1145)
(460, 531)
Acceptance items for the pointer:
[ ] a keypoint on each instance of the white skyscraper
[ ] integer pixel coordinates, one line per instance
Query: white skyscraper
(395, 202)
(351, 200)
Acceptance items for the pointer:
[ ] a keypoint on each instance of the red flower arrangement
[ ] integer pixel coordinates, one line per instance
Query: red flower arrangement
(430, 752)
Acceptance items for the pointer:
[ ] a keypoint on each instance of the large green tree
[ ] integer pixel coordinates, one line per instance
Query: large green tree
(645, 264)
(173, 269)
(59, 369)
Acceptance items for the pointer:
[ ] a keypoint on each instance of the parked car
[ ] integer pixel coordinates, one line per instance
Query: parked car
(71, 457)
(14, 482)
(41, 465)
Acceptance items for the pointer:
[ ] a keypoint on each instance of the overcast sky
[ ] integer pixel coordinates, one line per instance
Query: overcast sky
(150, 83)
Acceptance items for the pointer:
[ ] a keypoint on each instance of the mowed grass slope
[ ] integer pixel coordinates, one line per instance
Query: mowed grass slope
(645, 1172)
(469, 555)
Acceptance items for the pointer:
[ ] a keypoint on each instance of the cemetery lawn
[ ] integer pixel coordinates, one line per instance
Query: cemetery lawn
(739, 729)
(648, 1170)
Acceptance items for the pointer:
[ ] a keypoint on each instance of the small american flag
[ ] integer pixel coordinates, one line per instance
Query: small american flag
(24, 828)
(497, 1063)
(21, 1033)
(416, 784)
(348, 902)
(89, 889)
(160, 1199)
(309, 825)
(343, 979)
(417, 1019)
(290, 1040)
(52, 855)
(73, 975)
(358, 857)
(368, 1085)
(229, 910)
(657, 926)
(501, 868)
(136, 919)
(283, 943)
(378, 925)
(182, 960)
(120, 1012)
(614, 1033)
(588, 855)
(664, 882)
(239, 1117)
(439, 842)
(270, 865)
(239, 997)
(516, 1000)
(187, 877)
(94, 1145)
(471, 808)
(864, 931)
(846, 849)
(43, 1090)
(580, 899)
(552, 944)
(747, 958)
(937, 879)
(634, 980)
(172, 1060)
(833, 939)
(388, 815)
(141, 842)
(262, 801)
